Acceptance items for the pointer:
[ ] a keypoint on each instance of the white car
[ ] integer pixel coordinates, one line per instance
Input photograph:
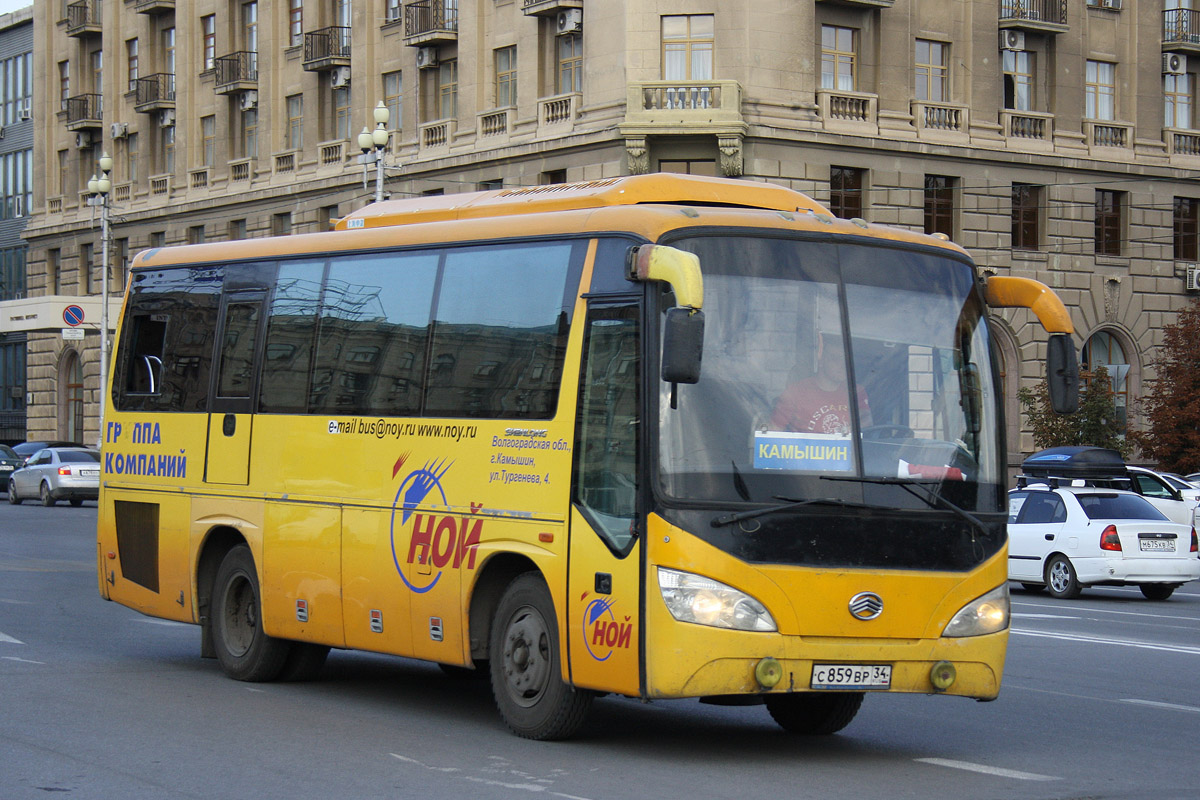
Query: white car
(1176, 499)
(1066, 538)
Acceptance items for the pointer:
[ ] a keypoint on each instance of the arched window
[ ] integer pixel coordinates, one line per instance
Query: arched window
(71, 383)
(1105, 350)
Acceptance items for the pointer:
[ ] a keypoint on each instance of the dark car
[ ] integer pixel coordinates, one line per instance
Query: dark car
(57, 473)
(9, 461)
(26, 449)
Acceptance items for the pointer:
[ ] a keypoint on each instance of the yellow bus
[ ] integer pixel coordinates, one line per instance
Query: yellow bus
(558, 435)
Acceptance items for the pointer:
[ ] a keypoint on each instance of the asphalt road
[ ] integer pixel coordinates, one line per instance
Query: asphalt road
(1101, 700)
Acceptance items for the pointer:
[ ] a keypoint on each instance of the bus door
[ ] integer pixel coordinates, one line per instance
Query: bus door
(234, 388)
(604, 583)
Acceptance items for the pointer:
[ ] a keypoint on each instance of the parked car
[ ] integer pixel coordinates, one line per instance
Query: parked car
(57, 473)
(1066, 538)
(1177, 501)
(26, 449)
(9, 461)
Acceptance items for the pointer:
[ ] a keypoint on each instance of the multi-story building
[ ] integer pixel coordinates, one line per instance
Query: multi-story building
(1053, 139)
(16, 196)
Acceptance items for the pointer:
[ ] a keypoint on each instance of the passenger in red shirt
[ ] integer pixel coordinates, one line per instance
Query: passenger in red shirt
(820, 403)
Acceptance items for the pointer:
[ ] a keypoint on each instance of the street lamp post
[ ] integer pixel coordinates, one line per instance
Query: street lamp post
(372, 143)
(100, 187)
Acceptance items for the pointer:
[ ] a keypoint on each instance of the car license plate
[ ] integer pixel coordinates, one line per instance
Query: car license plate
(89, 473)
(851, 676)
(1167, 545)
(6, 467)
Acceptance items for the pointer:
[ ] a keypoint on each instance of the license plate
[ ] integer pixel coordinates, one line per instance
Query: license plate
(1167, 545)
(6, 467)
(89, 473)
(851, 676)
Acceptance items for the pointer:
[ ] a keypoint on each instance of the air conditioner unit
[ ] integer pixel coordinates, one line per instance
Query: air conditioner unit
(1174, 64)
(83, 139)
(339, 77)
(427, 57)
(118, 130)
(570, 21)
(248, 100)
(166, 117)
(27, 108)
(1113, 4)
(1012, 40)
(1193, 277)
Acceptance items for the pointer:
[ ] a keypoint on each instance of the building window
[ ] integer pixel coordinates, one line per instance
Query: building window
(569, 77)
(1018, 79)
(250, 133)
(281, 224)
(1026, 215)
(506, 76)
(295, 122)
(700, 166)
(131, 63)
(168, 142)
(54, 270)
(931, 70)
(1103, 349)
(85, 268)
(1177, 100)
(939, 204)
(121, 274)
(12, 275)
(327, 217)
(448, 89)
(1100, 90)
(393, 12)
(237, 229)
(64, 171)
(1108, 222)
(250, 26)
(552, 176)
(168, 42)
(158, 238)
(64, 83)
(393, 98)
(195, 234)
(846, 191)
(208, 141)
(687, 47)
(1187, 229)
(839, 59)
(208, 31)
(131, 157)
(341, 112)
(296, 22)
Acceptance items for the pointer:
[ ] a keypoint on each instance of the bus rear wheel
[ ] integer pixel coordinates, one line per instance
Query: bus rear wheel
(244, 651)
(814, 714)
(526, 674)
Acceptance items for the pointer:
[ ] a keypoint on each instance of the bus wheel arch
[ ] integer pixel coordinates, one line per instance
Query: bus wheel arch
(495, 575)
(217, 544)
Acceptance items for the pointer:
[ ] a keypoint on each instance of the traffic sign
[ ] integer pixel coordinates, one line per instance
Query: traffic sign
(73, 315)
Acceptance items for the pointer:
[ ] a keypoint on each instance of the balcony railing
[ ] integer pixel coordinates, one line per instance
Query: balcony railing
(241, 170)
(236, 71)
(558, 110)
(285, 162)
(54, 205)
(939, 118)
(436, 135)
(160, 185)
(1108, 134)
(332, 153)
(430, 21)
(842, 110)
(326, 48)
(155, 92)
(495, 123)
(1182, 142)
(1181, 26)
(198, 178)
(1042, 15)
(1027, 126)
(84, 111)
(714, 106)
(83, 18)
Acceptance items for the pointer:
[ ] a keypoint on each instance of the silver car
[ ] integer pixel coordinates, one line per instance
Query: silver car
(57, 473)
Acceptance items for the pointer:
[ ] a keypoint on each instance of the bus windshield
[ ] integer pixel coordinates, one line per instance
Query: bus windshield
(839, 360)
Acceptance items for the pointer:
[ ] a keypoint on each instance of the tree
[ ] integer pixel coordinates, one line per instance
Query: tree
(1172, 401)
(1095, 423)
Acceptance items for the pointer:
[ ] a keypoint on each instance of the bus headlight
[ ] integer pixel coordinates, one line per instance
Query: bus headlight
(693, 598)
(987, 614)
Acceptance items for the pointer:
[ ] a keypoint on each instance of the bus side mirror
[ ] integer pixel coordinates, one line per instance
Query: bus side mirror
(1062, 374)
(683, 345)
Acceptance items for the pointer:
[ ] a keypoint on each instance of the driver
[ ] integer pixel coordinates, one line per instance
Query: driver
(820, 403)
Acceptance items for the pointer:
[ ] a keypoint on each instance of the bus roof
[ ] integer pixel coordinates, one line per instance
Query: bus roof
(623, 191)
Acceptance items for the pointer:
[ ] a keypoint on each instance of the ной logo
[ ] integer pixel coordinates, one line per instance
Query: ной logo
(435, 541)
(602, 633)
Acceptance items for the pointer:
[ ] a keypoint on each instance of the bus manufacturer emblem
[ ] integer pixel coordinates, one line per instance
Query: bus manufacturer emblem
(866, 605)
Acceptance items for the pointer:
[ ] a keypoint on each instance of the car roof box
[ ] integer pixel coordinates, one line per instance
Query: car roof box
(1075, 462)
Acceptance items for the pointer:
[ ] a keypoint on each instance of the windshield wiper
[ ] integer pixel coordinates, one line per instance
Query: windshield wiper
(930, 498)
(790, 503)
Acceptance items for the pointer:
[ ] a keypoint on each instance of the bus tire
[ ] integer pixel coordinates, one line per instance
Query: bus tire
(244, 651)
(1061, 578)
(813, 714)
(304, 663)
(527, 682)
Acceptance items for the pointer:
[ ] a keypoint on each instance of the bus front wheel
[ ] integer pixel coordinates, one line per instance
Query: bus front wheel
(526, 671)
(244, 651)
(814, 714)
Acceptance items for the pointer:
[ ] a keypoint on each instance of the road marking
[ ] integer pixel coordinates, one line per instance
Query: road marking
(1073, 637)
(22, 660)
(986, 770)
(1044, 616)
(1110, 611)
(6, 639)
(1156, 704)
(527, 787)
(170, 623)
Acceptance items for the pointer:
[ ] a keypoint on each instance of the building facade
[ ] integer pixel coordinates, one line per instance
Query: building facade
(16, 204)
(1054, 139)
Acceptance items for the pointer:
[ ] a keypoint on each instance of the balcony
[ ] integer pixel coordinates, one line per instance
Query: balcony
(1106, 134)
(83, 18)
(862, 3)
(430, 22)
(198, 178)
(947, 122)
(494, 127)
(557, 114)
(849, 112)
(236, 72)
(1182, 142)
(160, 185)
(1028, 130)
(684, 108)
(155, 93)
(332, 153)
(155, 6)
(85, 112)
(326, 48)
(1045, 16)
(242, 170)
(1181, 31)
(543, 8)
(435, 135)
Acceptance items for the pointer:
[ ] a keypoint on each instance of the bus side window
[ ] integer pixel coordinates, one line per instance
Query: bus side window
(606, 455)
(143, 372)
